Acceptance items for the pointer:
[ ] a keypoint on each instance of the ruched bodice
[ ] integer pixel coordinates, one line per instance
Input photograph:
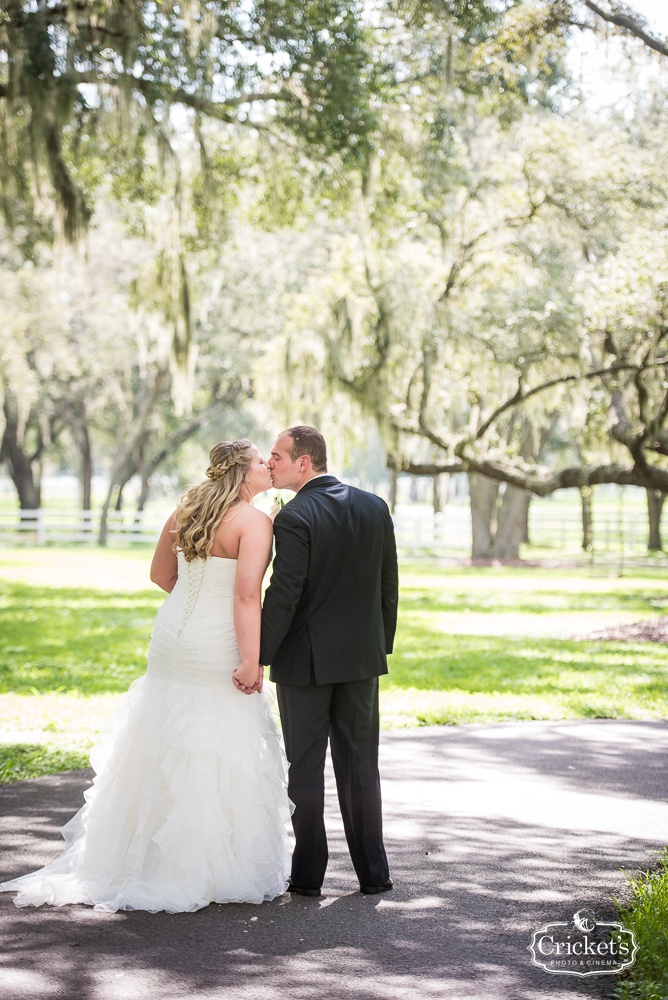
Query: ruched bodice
(189, 802)
(193, 639)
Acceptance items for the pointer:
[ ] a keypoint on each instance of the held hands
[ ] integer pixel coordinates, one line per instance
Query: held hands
(248, 677)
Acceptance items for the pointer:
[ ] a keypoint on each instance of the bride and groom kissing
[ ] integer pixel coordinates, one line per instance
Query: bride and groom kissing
(193, 792)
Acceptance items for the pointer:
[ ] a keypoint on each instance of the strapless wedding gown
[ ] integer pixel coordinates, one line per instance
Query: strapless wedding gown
(189, 803)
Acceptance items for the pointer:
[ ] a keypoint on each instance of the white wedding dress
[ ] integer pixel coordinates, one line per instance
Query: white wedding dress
(189, 803)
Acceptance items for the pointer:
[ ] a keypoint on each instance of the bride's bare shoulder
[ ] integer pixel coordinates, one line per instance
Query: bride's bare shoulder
(256, 517)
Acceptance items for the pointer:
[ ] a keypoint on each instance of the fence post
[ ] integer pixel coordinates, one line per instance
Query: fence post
(41, 528)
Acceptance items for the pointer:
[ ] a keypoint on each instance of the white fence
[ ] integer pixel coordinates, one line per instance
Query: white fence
(45, 525)
(563, 529)
(418, 529)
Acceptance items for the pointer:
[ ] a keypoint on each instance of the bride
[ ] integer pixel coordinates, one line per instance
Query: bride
(189, 802)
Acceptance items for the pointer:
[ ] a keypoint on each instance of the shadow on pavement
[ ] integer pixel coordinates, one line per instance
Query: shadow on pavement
(470, 887)
(624, 757)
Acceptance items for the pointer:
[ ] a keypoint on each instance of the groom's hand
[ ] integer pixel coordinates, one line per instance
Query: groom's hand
(258, 683)
(243, 674)
(249, 688)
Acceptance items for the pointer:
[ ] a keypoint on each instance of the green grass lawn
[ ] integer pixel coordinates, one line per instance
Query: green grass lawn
(79, 641)
(647, 916)
(473, 645)
(492, 644)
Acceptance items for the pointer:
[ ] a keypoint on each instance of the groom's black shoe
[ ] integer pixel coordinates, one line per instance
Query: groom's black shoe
(373, 890)
(303, 892)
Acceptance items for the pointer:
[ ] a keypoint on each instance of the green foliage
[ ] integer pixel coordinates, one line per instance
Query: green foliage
(112, 71)
(496, 271)
(438, 677)
(339, 77)
(580, 680)
(19, 761)
(79, 646)
(72, 640)
(647, 916)
(538, 599)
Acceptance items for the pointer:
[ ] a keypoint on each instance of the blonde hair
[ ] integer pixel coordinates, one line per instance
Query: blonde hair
(204, 506)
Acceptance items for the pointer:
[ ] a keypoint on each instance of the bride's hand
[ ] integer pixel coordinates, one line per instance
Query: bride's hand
(246, 677)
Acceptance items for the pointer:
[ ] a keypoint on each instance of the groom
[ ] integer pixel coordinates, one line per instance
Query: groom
(328, 621)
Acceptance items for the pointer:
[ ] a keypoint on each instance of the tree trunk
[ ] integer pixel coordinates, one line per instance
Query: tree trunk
(146, 468)
(525, 535)
(143, 469)
(394, 476)
(440, 485)
(586, 493)
(86, 465)
(655, 501)
(19, 464)
(86, 472)
(145, 489)
(512, 518)
(483, 493)
(127, 449)
(27, 487)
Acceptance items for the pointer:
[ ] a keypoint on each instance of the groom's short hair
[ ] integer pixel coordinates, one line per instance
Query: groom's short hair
(308, 441)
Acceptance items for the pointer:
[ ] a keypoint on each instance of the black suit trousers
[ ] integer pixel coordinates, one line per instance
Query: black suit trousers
(347, 715)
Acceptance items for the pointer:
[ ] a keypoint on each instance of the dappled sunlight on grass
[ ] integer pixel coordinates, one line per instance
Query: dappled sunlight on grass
(410, 707)
(73, 640)
(539, 597)
(19, 761)
(61, 720)
(47, 733)
(68, 653)
(461, 655)
(562, 578)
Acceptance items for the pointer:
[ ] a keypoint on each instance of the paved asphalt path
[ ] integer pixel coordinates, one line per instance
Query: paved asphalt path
(492, 830)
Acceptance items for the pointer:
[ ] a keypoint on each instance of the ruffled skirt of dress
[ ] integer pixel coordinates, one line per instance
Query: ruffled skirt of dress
(188, 807)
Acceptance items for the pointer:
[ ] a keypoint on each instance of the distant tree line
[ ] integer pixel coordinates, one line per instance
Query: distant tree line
(221, 212)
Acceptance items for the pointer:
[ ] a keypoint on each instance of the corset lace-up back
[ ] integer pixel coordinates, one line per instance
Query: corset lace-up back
(195, 572)
(193, 640)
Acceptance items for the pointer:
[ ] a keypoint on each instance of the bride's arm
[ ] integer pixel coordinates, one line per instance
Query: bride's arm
(254, 551)
(165, 567)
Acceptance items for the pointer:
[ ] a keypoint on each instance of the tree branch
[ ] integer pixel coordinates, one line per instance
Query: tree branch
(416, 469)
(520, 396)
(628, 24)
(126, 448)
(176, 439)
(542, 485)
(216, 109)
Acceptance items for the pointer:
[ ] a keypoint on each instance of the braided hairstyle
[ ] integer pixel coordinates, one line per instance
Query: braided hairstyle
(204, 506)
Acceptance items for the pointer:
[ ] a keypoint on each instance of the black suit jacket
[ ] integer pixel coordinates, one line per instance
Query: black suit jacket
(332, 600)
